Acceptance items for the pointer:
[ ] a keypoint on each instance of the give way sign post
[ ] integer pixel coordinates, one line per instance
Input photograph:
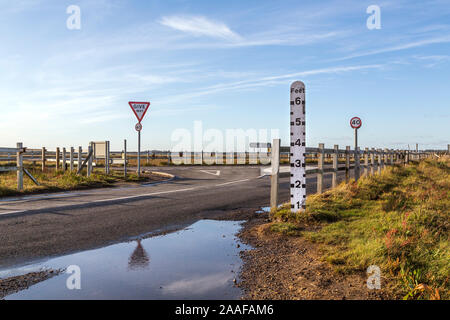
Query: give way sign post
(139, 109)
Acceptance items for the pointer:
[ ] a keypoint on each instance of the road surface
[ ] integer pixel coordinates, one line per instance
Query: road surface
(39, 226)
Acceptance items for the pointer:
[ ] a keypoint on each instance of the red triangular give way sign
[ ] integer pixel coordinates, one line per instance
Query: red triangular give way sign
(139, 109)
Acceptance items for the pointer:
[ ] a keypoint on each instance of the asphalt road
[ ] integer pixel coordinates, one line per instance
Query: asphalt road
(35, 227)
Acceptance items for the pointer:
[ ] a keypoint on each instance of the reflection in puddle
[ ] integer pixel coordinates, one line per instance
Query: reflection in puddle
(139, 258)
(199, 262)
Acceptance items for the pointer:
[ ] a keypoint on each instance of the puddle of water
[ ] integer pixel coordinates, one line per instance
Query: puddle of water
(266, 209)
(199, 262)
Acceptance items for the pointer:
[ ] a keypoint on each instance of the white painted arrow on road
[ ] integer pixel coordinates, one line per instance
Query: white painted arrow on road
(217, 173)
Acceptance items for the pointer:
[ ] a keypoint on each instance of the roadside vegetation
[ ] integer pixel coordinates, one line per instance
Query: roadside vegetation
(398, 220)
(52, 181)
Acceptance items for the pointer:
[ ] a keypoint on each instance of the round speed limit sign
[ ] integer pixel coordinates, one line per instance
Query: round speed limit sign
(355, 123)
(138, 126)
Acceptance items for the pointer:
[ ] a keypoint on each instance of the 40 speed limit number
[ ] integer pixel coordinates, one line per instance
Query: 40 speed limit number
(298, 146)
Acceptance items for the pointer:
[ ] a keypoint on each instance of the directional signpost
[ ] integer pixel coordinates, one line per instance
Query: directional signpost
(298, 145)
(356, 123)
(139, 109)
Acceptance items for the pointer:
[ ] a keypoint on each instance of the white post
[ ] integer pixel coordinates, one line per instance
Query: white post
(19, 166)
(107, 158)
(297, 146)
(275, 174)
(90, 155)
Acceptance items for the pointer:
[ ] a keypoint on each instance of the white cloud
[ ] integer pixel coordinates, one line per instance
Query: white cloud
(200, 26)
(267, 81)
(198, 284)
(433, 59)
(403, 46)
(18, 5)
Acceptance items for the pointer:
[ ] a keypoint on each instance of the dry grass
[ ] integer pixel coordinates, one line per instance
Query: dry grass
(398, 220)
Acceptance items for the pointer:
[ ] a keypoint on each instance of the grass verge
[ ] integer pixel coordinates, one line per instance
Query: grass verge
(398, 221)
(51, 181)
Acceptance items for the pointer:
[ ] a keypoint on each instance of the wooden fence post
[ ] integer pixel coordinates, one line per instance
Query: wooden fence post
(71, 158)
(320, 162)
(386, 157)
(335, 166)
(125, 158)
(275, 174)
(391, 157)
(64, 160)
(89, 167)
(366, 161)
(57, 158)
(80, 157)
(372, 161)
(379, 160)
(43, 158)
(347, 164)
(357, 164)
(19, 160)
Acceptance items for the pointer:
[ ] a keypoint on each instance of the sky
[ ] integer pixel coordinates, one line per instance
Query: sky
(228, 64)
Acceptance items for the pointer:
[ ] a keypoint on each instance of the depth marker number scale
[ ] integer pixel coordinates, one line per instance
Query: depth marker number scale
(298, 147)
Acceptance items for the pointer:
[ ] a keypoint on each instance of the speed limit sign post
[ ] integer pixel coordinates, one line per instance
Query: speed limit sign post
(138, 127)
(356, 123)
(139, 109)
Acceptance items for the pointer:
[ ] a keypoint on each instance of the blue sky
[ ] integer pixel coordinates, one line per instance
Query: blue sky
(228, 64)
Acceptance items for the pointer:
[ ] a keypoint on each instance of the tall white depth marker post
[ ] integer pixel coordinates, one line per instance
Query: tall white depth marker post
(139, 109)
(298, 145)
